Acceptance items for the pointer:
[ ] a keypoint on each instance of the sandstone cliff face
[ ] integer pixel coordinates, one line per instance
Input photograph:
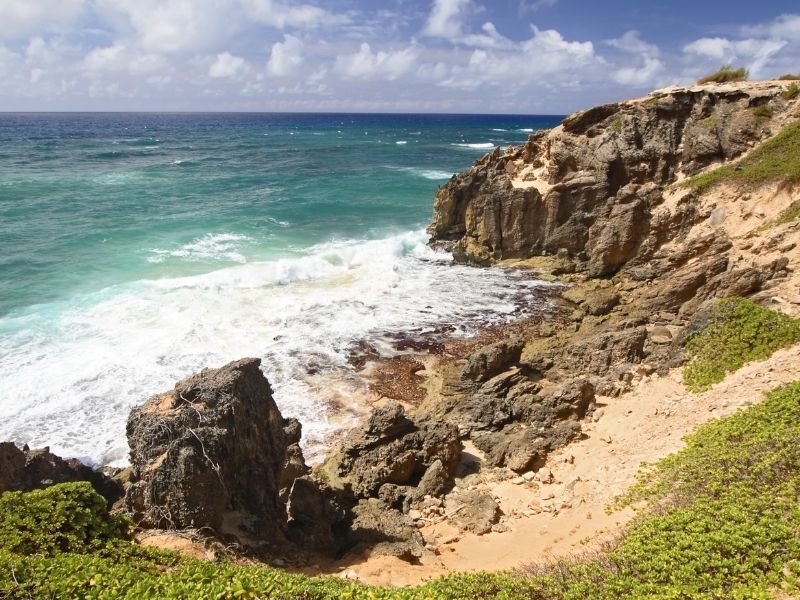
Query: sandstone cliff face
(592, 187)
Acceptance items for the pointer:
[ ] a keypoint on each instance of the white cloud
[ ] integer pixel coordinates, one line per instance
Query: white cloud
(226, 65)
(282, 15)
(545, 58)
(526, 6)
(22, 18)
(650, 66)
(755, 54)
(785, 27)
(366, 64)
(119, 58)
(632, 42)
(286, 56)
(173, 26)
(446, 19)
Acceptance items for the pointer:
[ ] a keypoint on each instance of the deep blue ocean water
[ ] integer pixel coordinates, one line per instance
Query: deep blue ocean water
(137, 248)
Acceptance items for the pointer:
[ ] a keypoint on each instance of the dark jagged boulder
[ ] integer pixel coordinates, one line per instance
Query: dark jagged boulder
(391, 449)
(215, 445)
(23, 469)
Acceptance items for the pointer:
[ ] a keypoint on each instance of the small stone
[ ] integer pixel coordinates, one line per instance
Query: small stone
(545, 475)
(548, 496)
(518, 481)
(598, 414)
(661, 335)
(529, 476)
(451, 539)
(499, 528)
(414, 514)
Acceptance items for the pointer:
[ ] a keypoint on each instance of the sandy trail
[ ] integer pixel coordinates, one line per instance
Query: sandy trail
(567, 516)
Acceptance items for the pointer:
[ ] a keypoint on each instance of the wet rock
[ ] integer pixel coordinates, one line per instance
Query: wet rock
(491, 360)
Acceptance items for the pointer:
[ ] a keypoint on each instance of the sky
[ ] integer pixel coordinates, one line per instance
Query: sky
(456, 56)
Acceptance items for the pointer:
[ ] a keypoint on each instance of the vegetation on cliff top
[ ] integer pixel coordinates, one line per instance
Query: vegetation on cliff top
(723, 522)
(775, 160)
(738, 331)
(725, 74)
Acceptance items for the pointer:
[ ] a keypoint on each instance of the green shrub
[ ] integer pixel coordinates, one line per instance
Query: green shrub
(724, 74)
(70, 517)
(790, 214)
(789, 77)
(776, 159)
(719, 519)
(738, 331)
(764, 111)
(791, 92)
(616, 125)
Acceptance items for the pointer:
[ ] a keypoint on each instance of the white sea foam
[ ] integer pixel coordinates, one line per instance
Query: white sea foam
(71, 372)
(525, 130)
(401, 142)
(481, 146)
(433, 174)
(499, 129)
(209, 247)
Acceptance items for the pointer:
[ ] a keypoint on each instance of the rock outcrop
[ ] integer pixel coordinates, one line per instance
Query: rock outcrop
(215, 448)
(23, 469)
(592, 187)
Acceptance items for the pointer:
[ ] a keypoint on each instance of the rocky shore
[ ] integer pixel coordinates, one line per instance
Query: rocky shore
(597, 204)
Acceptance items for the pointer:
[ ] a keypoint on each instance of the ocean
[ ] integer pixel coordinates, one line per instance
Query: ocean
(136, 249)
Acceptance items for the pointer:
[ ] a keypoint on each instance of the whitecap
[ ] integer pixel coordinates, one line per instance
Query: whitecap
(480, 146)
(209, 247)
(72, 371)
(401, 142)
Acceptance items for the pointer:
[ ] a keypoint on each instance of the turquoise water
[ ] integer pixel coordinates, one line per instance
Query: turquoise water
(137, 248)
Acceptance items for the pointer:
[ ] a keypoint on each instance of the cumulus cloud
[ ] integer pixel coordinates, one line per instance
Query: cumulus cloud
(446, 19)
(755, 54)
(226, 65)
(366, 64)
(286, 56)
(546, 55)
(649, 65)
(22, 18)
(766, 49)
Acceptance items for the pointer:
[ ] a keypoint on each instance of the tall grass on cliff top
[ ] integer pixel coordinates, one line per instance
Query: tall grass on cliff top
(724, 74)
(738, 331)
(721, 520)
(775, 160)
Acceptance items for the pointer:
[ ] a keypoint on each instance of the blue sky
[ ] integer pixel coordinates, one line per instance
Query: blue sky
(501, 56)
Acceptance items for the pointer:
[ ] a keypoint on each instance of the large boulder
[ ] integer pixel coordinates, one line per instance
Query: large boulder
(216, 445)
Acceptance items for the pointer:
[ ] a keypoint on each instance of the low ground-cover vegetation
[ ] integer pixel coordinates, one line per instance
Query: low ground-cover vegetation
(720, 520)
(738, 331)
(777, 159)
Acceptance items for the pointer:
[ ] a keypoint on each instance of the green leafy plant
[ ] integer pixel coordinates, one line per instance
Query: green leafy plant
(719, 519)
(789, 77)
(765, 111)
(738, 331)
(724, 74)
(791, 92)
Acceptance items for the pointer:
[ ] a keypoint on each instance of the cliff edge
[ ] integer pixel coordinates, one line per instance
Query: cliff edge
(593, 189)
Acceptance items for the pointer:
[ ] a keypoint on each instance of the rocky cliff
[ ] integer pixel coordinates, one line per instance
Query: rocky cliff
(593, 188)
